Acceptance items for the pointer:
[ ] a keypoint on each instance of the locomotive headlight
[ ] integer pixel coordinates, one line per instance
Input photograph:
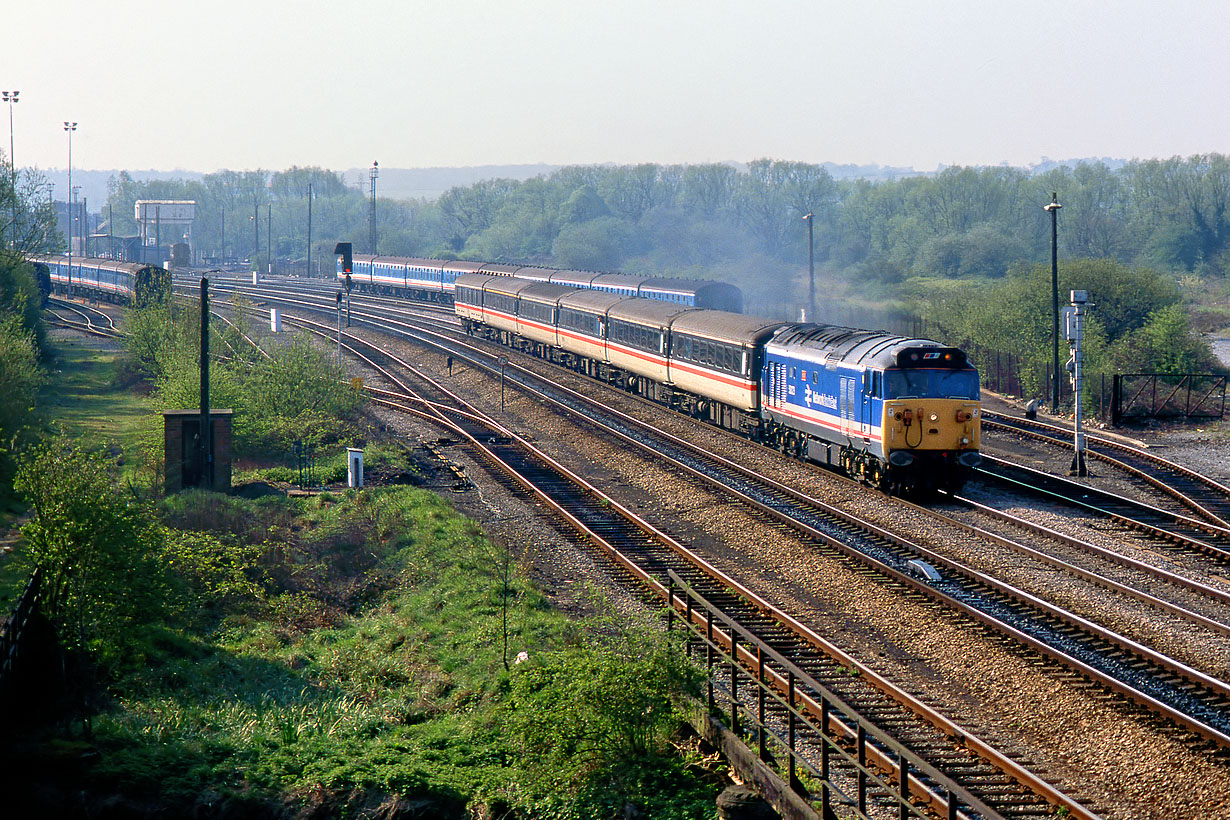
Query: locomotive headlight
(934, 418)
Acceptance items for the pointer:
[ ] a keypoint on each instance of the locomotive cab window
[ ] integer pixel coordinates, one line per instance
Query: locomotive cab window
(926, 383)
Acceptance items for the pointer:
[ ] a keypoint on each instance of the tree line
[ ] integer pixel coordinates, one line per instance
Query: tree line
(737, 223)
(896, 253)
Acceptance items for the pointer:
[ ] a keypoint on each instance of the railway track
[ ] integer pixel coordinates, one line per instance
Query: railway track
(1196, 701)
(1169, 529)
(91, 320)
(1205, 497)
(832, 706)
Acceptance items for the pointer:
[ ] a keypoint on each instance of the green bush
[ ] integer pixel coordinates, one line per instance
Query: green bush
(98, 540)
(297, 394)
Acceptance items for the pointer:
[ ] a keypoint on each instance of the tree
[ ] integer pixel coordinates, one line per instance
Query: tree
(1165, 343)
(598, 244)
(95, 539)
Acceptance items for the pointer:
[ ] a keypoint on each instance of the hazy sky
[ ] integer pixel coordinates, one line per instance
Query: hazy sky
(413, 83)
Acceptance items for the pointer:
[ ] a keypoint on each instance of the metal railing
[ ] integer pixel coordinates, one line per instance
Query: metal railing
(832, 755)
(13, 637)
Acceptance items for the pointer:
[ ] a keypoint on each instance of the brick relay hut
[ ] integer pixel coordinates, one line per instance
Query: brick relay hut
(181, 431)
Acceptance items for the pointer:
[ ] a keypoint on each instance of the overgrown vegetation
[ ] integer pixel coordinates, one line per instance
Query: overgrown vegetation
(331, 652)
(296, 393)
(1137, 322)
(21, 352)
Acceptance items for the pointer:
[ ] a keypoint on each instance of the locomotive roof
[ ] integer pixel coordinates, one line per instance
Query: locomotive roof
(821, 342)
(647, 312)
(725, 327)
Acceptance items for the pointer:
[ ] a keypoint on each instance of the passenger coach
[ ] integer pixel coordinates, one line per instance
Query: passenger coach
(108, 279)
(436, 279)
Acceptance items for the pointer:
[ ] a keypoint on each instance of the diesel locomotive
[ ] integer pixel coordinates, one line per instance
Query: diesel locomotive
(900, 414)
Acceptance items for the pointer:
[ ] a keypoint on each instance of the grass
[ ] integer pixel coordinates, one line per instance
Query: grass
(401, 693)
(83, 397)
(347, 650)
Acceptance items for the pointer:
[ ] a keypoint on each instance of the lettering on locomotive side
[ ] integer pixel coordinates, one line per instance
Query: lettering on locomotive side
(822, 399)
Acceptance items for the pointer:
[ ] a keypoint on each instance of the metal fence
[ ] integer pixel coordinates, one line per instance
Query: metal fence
(1139, 396)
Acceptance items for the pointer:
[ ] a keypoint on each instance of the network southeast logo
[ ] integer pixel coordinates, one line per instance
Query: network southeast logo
(822, 399)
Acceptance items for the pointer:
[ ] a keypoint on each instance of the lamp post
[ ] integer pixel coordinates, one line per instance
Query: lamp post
(308, 273)
(373, 174)
(70, 127)
(1053, 209)
(256, 236)
(10, 97)
(810, 218)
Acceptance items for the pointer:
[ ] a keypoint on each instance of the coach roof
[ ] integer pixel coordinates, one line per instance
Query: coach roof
(647, 312)
(725, 327)
(593, 301)
(544, 291)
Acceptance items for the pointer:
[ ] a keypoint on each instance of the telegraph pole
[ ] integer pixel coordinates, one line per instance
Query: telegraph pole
(207, 471)
(309, 245)
(373, 174)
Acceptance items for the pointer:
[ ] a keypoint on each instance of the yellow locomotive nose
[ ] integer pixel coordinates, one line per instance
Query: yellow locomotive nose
(943, 424)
